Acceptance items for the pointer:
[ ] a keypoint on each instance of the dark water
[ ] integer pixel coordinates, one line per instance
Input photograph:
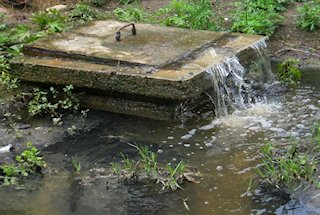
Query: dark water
(203, 142)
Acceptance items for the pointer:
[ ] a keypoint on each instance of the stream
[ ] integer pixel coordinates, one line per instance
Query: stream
(224, 150)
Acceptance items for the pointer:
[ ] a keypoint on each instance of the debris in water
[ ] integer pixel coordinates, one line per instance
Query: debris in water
(5, 149)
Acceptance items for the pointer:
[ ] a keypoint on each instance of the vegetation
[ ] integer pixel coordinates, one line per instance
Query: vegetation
(28, 162)
(256, 17)
(196, 14)
(309, 16)
(147, 167)
(76, 164)
(83, 12)
(51, 21)
(291, 168)
(289, 72)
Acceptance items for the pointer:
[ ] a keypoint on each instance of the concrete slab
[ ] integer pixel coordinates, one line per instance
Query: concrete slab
(159, 65)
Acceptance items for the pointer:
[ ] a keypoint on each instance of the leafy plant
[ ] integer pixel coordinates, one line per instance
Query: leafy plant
(309, 16)
(50, 101)
(5, 78)
(256, 17)
(83, 12)
(28, 162)
(130, 14)
(51, 21)
(287, 170)
(196, 14)
(147, 167)
(289, 72)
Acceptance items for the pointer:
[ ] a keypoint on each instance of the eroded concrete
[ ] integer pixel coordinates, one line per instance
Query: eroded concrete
(159, 66)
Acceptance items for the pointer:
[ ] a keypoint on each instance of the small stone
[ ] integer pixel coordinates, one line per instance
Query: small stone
(219, 168)
(206, 202)
(170, 138)
(160, 151)
(171, 146)
(187, 145)
(208, 144)
(59, 7)
(227, 149)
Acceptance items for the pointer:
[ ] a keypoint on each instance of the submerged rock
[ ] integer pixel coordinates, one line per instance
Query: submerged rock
(275, 88)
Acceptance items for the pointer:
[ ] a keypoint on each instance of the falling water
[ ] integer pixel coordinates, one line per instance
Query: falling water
(231, 91)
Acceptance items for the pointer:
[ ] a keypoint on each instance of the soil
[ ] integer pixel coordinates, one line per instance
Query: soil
(287, 42)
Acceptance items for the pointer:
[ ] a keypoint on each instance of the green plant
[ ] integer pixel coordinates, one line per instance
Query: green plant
(28, 162)
(83, 12)
(147, 167)
(289, 72)
(148, 159)
(76, 164)
(130, 14)
(287, 170)
(174, 178)
(51, 21)
(51, 101)
(196, 14)
(6, 79)
(309, 16)
(256, 17)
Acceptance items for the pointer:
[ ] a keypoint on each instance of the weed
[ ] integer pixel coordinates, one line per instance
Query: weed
(288, 169)
(76, 164)
(28, 162)
(256, 17)
(51, 101)
(51, 21)
(6, 79)
(289, 72)
(130, 14)
(3, 26)
(196, 14)
(309, 16)
(174, 177)
(83, 12)
(147, 167)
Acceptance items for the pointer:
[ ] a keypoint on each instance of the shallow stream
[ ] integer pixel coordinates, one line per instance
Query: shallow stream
(224, 150)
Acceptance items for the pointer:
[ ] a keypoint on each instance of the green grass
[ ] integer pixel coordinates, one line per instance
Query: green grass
(309, 16)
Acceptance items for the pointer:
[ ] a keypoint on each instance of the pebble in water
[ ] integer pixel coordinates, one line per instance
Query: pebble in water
(208, 144)
(219, 168)
(187, 145)
(160, 151)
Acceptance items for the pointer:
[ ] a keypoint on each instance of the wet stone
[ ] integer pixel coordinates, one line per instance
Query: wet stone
(157, 64)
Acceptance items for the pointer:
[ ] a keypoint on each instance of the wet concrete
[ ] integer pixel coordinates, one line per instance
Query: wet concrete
(161, 64)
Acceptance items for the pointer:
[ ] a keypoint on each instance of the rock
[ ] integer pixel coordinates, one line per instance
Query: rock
(276, 87)
(60, 7)
(219, 168)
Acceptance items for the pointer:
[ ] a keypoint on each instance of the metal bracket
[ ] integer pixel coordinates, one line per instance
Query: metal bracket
(133, 31)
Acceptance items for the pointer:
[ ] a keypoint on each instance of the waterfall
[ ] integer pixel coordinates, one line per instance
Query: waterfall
(231, 90)
(263, 62)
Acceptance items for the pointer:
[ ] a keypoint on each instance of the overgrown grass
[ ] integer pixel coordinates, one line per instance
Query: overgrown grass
(148, 167)
(290, 168)
(309, 16)
(191, 14)
(257, 16)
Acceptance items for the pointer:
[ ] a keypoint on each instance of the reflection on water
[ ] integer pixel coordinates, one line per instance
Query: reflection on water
(224, 150)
